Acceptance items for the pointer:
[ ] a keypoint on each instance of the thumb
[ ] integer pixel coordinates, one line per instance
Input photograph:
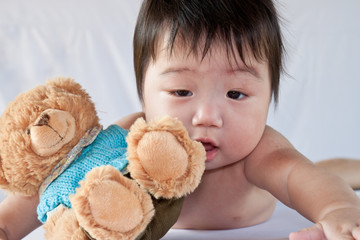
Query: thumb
(2, 235)
(311, 233)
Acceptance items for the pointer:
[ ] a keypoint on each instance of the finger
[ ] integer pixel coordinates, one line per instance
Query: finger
(356, 233)
(312, 233)
(2, 235)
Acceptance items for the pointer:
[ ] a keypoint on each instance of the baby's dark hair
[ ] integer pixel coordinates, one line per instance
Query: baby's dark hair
(246, 24)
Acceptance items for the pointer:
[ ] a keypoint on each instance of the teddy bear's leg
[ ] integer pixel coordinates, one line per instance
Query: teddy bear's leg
(63, 225)
(163, 159)
(167, 212)
(111, 206)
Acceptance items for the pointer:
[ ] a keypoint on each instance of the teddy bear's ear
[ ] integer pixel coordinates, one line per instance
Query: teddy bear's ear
(67, 84)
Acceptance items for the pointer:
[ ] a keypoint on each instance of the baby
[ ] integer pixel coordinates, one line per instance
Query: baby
(215, 65)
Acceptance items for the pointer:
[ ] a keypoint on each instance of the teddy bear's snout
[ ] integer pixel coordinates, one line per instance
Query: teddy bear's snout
(43, 120)
(51, 131)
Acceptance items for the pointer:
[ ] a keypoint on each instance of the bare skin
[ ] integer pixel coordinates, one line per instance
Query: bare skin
(18, 216)
(346, 168)
(237, 205)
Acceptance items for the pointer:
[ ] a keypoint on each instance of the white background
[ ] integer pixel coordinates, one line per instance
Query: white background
(91, 41)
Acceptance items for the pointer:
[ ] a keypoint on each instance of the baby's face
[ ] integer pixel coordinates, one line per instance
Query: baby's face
(222, 104)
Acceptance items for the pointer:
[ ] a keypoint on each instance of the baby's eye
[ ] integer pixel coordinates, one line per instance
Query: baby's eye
(235, 95)
(182, 93)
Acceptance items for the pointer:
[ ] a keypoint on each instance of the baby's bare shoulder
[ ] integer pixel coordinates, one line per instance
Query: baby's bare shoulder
(272, 159)
(273, 140)
(272, 145)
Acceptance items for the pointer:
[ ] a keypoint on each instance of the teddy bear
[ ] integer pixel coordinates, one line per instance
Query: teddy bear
(95, 183)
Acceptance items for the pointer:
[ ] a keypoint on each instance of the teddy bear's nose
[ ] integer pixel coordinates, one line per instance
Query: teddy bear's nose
(43, 120)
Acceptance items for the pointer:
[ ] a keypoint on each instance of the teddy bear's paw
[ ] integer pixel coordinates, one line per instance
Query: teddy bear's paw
(111, 206)
(163, 159)
(162, 156)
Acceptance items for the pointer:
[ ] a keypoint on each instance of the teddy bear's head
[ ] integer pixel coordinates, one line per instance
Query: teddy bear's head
(38, 129)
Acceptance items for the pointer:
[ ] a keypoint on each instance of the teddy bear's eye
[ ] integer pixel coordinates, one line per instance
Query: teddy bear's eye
(28, 131)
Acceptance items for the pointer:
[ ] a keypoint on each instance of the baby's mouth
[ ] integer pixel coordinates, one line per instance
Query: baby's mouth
(211, 150)
(208, 146)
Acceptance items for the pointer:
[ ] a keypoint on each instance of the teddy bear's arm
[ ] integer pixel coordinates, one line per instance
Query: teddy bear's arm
(167, 212)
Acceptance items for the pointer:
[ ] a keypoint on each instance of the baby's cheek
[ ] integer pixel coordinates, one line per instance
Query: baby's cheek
(242, 142)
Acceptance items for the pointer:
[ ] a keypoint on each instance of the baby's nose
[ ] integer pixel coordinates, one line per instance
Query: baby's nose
(208, 115)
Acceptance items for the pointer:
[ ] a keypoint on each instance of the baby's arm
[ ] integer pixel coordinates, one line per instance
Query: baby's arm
(128, 120)
(320, 196)
(346, 168)
(18, 216)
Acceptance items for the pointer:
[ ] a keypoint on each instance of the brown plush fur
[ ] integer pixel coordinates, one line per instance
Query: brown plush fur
(42, 125)
(63, 225)
(101, 191)
(18, 161)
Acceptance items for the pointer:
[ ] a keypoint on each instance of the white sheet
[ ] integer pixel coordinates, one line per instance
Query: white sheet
(90, 41)
(282, 223)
